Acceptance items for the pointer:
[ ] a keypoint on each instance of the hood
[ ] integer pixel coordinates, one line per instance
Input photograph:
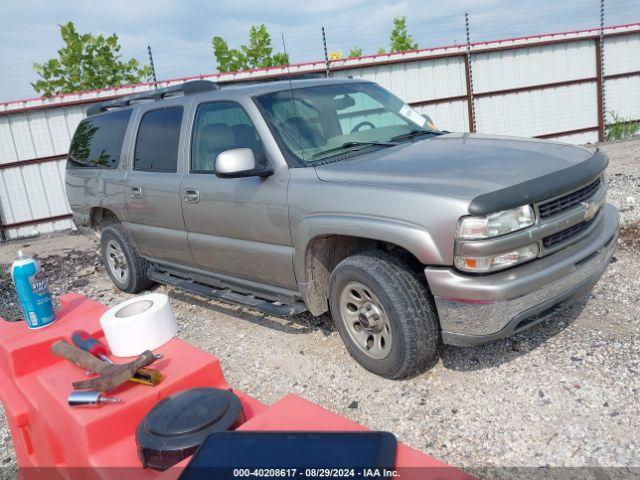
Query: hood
(471, 166)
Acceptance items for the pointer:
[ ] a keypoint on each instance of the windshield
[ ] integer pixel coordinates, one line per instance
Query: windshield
(317, 123)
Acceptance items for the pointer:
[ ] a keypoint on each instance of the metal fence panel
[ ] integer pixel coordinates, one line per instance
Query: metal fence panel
(31, 192)
(623, 97)
(38, 133)
(539, 112)
(523, 67)
(622, 54)
(7, 149)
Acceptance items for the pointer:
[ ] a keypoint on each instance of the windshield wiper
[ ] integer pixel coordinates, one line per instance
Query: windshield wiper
(347, 145)
(414, 133)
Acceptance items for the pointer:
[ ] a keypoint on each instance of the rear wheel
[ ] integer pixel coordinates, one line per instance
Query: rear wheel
(383, 314)
(125, 267)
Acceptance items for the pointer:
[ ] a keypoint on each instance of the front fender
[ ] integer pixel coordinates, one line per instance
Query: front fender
(412, 238)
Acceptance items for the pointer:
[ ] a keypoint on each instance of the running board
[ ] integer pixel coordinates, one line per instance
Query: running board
(226, 295)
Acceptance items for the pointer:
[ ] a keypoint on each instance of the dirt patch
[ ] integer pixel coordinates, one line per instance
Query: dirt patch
(630, 236)
(65, 272)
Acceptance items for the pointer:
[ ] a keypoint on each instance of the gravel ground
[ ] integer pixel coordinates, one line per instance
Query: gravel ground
(564, 393)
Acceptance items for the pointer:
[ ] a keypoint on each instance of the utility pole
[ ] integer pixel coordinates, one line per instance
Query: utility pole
(153, 69)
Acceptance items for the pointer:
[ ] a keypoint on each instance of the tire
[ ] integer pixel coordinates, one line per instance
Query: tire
(118, 256)
(404, 337)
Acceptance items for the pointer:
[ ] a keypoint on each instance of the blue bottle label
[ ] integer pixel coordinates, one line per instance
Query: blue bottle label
(38, 284)
(33, 293)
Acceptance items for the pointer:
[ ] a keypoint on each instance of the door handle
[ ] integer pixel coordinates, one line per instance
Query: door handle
(191, 195)
(135, 192)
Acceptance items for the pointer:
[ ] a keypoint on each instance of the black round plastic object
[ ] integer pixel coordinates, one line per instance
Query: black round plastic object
(177, 425)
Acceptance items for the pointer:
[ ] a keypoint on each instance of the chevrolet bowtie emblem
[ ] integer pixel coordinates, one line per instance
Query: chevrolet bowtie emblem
(590, 209)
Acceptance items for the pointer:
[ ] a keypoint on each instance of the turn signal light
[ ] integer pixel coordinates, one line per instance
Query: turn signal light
(497, 262)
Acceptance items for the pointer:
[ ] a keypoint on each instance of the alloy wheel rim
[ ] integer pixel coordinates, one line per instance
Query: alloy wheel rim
(365, 320)
(117, 261)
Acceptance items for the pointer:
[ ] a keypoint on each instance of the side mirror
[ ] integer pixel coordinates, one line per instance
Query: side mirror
(238, 163)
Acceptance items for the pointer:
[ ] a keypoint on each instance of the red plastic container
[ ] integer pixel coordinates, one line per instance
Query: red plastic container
(53, 440)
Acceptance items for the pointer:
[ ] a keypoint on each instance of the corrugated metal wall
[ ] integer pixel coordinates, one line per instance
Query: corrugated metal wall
(34, 190)
(537, 111)
(544, 86)
(622, 94)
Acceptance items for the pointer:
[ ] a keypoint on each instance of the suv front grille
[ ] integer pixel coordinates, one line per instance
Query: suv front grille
(566, 202)
(566, 234)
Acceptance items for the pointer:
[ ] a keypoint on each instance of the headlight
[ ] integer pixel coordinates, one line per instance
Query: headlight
(495, 224)
(498, 261)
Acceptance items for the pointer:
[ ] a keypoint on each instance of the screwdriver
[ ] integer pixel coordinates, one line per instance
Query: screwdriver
(90, 399)
(82, 339)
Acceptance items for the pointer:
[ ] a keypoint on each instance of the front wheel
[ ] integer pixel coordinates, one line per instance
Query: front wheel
(383, 314)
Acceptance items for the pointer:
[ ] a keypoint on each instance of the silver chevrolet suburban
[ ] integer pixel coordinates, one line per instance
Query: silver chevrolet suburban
(335, 195)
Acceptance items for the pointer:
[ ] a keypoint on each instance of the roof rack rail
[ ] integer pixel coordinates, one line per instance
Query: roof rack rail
(276, 78)
(187, 88)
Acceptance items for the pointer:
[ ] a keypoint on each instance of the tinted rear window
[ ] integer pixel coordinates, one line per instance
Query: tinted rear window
(157, 142)
(97, 142)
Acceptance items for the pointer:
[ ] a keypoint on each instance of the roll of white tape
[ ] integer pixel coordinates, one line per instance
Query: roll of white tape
(142, 323)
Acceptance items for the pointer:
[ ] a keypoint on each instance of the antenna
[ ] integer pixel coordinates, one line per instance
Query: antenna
(472, 106)
(327, 64)
(293, 104)
(602, 65)
(153, 69)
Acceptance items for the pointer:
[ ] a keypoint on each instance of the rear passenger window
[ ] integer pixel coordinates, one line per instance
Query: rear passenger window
(97, 142)
(157, 142)
(221, 126)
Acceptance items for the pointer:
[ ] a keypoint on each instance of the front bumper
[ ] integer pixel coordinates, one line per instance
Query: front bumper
(478, 309)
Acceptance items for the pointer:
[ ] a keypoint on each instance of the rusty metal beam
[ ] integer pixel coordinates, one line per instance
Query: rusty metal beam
(434, 101)
(621, 75)
(36, 221)
(530, 88)
(567, 132)
(32, 161)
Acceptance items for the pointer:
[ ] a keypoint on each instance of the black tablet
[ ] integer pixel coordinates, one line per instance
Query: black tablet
(247, 454)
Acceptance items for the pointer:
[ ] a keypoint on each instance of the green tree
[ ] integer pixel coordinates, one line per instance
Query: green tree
(258, 54)
(87, 62)
(229, 60)
(400, 40)
(355, 52)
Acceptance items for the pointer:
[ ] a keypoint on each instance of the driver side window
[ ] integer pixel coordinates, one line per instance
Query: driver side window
(221, 126)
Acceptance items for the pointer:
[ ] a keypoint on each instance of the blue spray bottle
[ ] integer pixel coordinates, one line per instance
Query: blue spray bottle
(33, 294)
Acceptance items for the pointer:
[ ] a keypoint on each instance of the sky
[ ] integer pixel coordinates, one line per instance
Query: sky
(180, 32)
